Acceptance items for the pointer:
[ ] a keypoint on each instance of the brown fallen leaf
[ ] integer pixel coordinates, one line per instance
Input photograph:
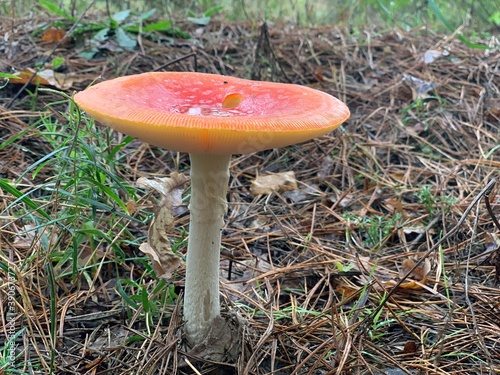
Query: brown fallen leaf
(53, 35)
(420, 88)
(395, 205)
(493, 248)
(46, 77)
(432, 55)
(493, 112)
(274, 183)
(410, 347)
(346, 291)
(132, 207)
(242, 281)
(28, 239)
(158, 248)
(419, 274)
(325, 168)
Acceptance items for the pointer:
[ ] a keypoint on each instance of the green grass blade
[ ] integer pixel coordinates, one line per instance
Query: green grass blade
(53, 311)
(15, 137)
(41, 162)
(22, 197)
(445, 22)
(109, 192)
(54, 8)
(123, 293)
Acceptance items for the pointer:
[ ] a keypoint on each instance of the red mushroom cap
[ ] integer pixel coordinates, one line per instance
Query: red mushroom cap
(209, 113)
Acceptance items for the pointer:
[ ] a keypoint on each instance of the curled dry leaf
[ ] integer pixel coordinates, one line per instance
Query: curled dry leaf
(493, 113)
(250, 269)
(132, 207)
(53, 35)
(326, 167)
(108, 339)
(306, 193)
(395, 205)
(274, 183)
(27, 240)
(492, 253)
(432, 55)
(346, 290)
(158, 248)
(419, 274)
(410, 347)
(45, 77)
(420, 88)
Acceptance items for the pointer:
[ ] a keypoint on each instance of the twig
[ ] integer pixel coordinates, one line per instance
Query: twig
(264, 46)
(191, 366)
(490, 210)
(475, 331)
(193, 55)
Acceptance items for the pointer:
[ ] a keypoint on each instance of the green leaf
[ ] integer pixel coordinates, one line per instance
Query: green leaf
(145, 300)
(179, 33)
(101, 36)
(113, 24)
(94, 203)
(121, 292)
(54, 8)
(57, 62)
(109, 192)
(203, 21)
(22, 197)
(135, 338)
(114, 151)
(95, 233)
(42, 161)
(492, 151)
(164, 25)
(9, 76)
(124, 40)
(210, 12)
(49, 272)
(88, 55)
(495, 18)
(121, 16)
(145, 16)
(16, 136)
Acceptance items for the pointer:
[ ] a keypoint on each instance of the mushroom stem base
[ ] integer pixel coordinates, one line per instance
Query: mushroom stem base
(208, 205)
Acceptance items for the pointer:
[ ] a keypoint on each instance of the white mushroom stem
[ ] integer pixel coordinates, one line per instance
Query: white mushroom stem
(208, 205)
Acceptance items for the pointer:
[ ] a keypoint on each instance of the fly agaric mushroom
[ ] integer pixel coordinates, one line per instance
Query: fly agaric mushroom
(211, 117)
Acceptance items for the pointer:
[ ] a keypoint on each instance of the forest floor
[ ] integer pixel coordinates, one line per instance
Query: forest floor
(384, 260)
